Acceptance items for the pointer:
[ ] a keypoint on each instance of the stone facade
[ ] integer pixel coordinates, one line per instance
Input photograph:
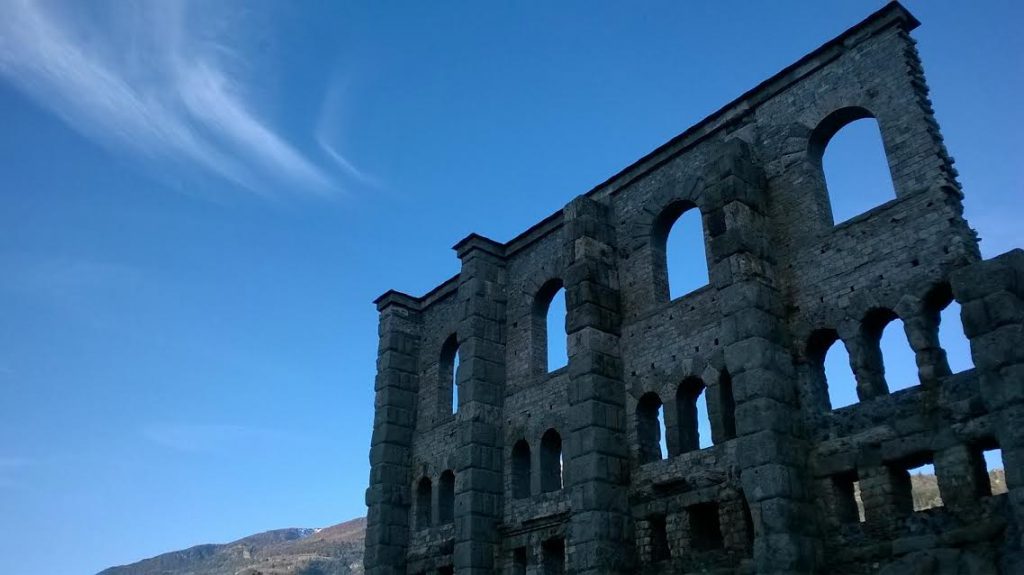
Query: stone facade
(560, 472)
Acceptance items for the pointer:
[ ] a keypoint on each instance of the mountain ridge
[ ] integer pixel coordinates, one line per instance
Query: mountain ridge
(334, 550)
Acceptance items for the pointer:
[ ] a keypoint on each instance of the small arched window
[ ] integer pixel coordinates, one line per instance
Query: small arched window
(650, 426)
(550, 342)
(521, 470)
(423, 507)
(899, 363)
(692, 415)
(448, 375)
(680, 262)
(830, 370)
(446, 497)
(847, 147)
(550, 461)
(890, 359)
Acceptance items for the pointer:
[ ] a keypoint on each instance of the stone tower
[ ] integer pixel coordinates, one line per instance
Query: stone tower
(563, 472)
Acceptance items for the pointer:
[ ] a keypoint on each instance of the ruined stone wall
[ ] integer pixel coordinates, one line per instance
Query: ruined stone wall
(540, 472)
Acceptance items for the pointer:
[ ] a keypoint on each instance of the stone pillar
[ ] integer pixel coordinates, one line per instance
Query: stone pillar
(600, 537)
(886, 495)
(388, 496)
(959, 476)
(922, 327)
(991, 296)
(866, 363)
(478, 475)
(770, 451)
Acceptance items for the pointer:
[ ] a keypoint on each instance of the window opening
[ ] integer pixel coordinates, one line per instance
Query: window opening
(953, 340)
(849, 148)
(521, 470)
(659, 538)
(423, 509)
(446, 497)
(554, 556)
(650, 416)
(705, 526)
(898, 361)
(550, 461)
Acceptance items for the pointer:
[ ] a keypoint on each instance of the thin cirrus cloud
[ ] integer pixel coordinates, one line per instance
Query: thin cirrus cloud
(141, 77)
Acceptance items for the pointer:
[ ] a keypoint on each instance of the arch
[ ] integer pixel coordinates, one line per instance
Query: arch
(448, 375)
(691, 417)
(550, 461)
(830, 369)
(446, 497)
(549, 317)
(521, 469)
(649, 424)
(847, 149)
(678, 230)
(888, 355)
(423, 507)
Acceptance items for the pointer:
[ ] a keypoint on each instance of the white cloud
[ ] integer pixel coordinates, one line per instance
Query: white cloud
(327, 126)
(149, 79)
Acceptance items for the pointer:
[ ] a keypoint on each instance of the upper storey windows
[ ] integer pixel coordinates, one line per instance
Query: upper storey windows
(847, 147)
(550, 344)
(448, 375)
(677, 244)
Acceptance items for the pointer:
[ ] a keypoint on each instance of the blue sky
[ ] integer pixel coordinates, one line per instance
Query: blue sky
(201, 200)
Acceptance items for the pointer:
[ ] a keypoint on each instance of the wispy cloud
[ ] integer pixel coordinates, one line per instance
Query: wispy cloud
(148, 78)
(211, 438)
(327, 128)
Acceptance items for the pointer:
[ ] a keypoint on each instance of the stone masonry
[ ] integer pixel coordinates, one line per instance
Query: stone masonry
(562, 472)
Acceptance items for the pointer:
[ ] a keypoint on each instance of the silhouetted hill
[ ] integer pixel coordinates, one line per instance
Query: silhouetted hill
(335, 550)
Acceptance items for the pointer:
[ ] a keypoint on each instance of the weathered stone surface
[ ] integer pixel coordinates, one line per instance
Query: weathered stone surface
(562, 471)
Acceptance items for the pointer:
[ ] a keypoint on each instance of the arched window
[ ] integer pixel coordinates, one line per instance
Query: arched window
(521, 469)
(692, 415)
(830, 369)
(448, 374)
(446, 497)
(650, 425)
(550, 343)
(680, 262)
(898, 364)
(423, 507)
(847, 146)
(953, 340)
(550, 461)
(888, 359)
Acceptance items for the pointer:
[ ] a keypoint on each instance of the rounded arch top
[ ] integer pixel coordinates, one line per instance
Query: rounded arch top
(545, 293)
(663, 222)
(829, 126)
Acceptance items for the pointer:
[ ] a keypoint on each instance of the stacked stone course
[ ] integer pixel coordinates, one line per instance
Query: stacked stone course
(778, 490)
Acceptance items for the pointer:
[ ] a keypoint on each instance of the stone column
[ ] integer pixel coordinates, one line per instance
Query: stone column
(991, 296)
(960, 472)
(600, 528)
(866, 363)
(886, 495)
(478, 475)
(388, 496)
(771, 453)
